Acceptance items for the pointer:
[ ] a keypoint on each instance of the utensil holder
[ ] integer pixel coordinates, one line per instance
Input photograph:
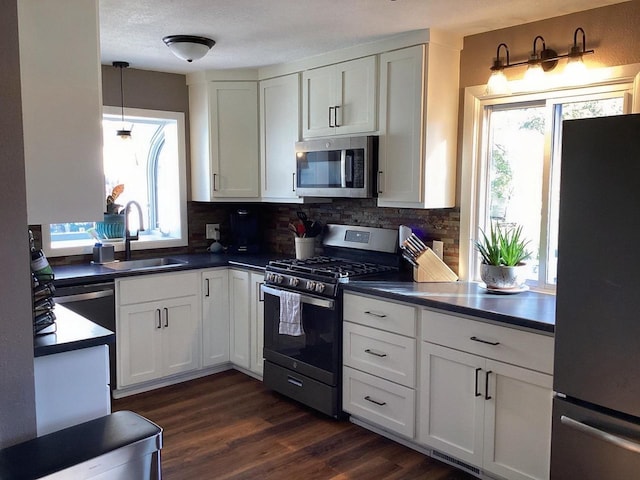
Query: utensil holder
(305, 247)
(431, 269)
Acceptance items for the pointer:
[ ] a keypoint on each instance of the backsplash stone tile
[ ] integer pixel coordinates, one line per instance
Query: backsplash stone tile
(429, 225)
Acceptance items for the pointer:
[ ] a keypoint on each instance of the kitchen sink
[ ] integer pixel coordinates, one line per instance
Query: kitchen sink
(163, 262)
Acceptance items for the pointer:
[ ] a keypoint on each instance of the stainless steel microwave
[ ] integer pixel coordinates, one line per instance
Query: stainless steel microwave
(336, 167)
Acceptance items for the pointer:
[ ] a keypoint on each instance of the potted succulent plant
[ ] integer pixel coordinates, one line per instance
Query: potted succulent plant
(503, 252)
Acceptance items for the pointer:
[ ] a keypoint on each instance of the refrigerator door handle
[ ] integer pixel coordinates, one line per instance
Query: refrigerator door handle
(600, 434)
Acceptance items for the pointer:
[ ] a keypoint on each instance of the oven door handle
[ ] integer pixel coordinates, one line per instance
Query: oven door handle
(308, 299)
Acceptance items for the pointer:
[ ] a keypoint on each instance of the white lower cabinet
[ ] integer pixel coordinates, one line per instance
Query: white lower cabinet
(158, 327)
(379, 401)
(489, 414)
(239, 340)
(379, 356)
(256, 326)
(215, 317)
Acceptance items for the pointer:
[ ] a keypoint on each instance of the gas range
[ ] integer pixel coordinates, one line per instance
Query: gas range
(320, 275)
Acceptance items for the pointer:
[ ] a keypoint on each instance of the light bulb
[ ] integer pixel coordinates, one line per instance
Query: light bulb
(576, 71)
(498, 83)
(534, 77)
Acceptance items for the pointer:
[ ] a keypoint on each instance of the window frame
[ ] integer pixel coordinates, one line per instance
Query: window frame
(144, 243)
(474, 131)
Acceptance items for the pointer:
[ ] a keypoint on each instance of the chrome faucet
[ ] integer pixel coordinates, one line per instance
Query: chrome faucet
(127, 233)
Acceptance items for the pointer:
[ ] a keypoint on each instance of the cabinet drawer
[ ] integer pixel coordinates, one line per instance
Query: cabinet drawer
(386, 404)
(389, 316)
(154, 287)
(387, 355)
(527, 349)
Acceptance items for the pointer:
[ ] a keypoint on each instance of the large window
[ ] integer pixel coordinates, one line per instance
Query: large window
(514, 168)
(151, 168)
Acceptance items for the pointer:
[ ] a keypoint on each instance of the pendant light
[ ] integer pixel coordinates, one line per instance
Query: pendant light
(123, 133)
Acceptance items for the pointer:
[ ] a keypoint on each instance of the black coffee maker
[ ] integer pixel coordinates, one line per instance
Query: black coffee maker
(245, 233)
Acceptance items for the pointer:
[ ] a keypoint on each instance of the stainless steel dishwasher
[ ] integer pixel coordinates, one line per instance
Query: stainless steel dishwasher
(95, 301)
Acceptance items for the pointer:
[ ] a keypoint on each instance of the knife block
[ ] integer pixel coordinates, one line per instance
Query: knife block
(431, 269)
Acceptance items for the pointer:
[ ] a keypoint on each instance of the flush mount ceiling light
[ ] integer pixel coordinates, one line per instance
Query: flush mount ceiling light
(538, 63)
(188, 47)
(123, 132)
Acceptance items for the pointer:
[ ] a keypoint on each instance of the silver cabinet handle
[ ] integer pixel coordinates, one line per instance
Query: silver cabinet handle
(335, 116)
(294, 381)
(378, 315)
(330, 108)
(374, 353)
(369, 399)
(476, 339)
(293, 182)
(207, 282)
(159, 318)
(600, 434)
(380, 172)
(166, 316)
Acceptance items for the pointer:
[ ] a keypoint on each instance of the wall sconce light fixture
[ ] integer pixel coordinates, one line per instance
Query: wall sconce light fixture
(123, 133)
(539, 62)
(188, 47)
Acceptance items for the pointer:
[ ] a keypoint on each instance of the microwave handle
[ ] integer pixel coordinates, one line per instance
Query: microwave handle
(343, 168)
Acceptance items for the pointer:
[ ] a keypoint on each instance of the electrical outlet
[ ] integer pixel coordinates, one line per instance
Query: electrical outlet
(213, 231)
(438, 248)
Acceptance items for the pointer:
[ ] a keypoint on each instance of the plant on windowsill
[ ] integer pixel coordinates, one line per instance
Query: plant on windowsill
(503, 252)
(113, 224)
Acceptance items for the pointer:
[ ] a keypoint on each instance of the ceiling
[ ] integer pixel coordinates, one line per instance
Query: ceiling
(255, 33)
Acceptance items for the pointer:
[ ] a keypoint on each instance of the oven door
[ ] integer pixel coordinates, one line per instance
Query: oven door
(316, 353)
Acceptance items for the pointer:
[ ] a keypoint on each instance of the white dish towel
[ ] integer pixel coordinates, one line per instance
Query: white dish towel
(290, 310)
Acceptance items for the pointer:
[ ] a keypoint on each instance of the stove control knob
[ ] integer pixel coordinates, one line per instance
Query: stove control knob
(268, 277)
(279, 278)
(293, 281)
(311, 285)
(320, 287)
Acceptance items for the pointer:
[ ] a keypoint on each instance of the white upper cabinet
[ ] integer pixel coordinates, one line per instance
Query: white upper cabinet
(418, 127)
(340, 99)
(224, 141)
(279, 131)
(61, 110)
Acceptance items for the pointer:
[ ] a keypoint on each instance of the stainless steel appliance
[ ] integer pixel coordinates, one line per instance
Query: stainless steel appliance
(308, 368)
(96, 302)
(336, 167)
(596, 409)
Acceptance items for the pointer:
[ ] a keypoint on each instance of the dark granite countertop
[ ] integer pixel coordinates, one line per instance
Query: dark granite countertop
(530, 310)
(72, 332)
(93, 273)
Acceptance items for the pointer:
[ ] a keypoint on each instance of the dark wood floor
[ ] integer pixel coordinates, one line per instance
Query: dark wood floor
(228, 426)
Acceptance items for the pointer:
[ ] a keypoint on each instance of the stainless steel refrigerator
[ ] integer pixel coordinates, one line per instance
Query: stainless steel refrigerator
(596, 410)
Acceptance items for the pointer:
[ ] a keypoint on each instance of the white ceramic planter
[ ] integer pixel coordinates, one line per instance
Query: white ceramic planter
(502, 277)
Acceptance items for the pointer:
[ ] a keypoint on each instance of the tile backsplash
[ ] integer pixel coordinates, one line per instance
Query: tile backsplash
(438, 224)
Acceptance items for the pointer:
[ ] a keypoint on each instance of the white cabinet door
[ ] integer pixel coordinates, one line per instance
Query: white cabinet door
(356, 96)
(418, 127)
(451, 409)
(257, 323)
(517, 435)
(279, 130)
(215, 317)
(61, 110)
(139, 343)
(401, 106)
(234, 139)
(224, 137)
(340, 99)
(181, 335)
(319, 98)
(239, 335)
